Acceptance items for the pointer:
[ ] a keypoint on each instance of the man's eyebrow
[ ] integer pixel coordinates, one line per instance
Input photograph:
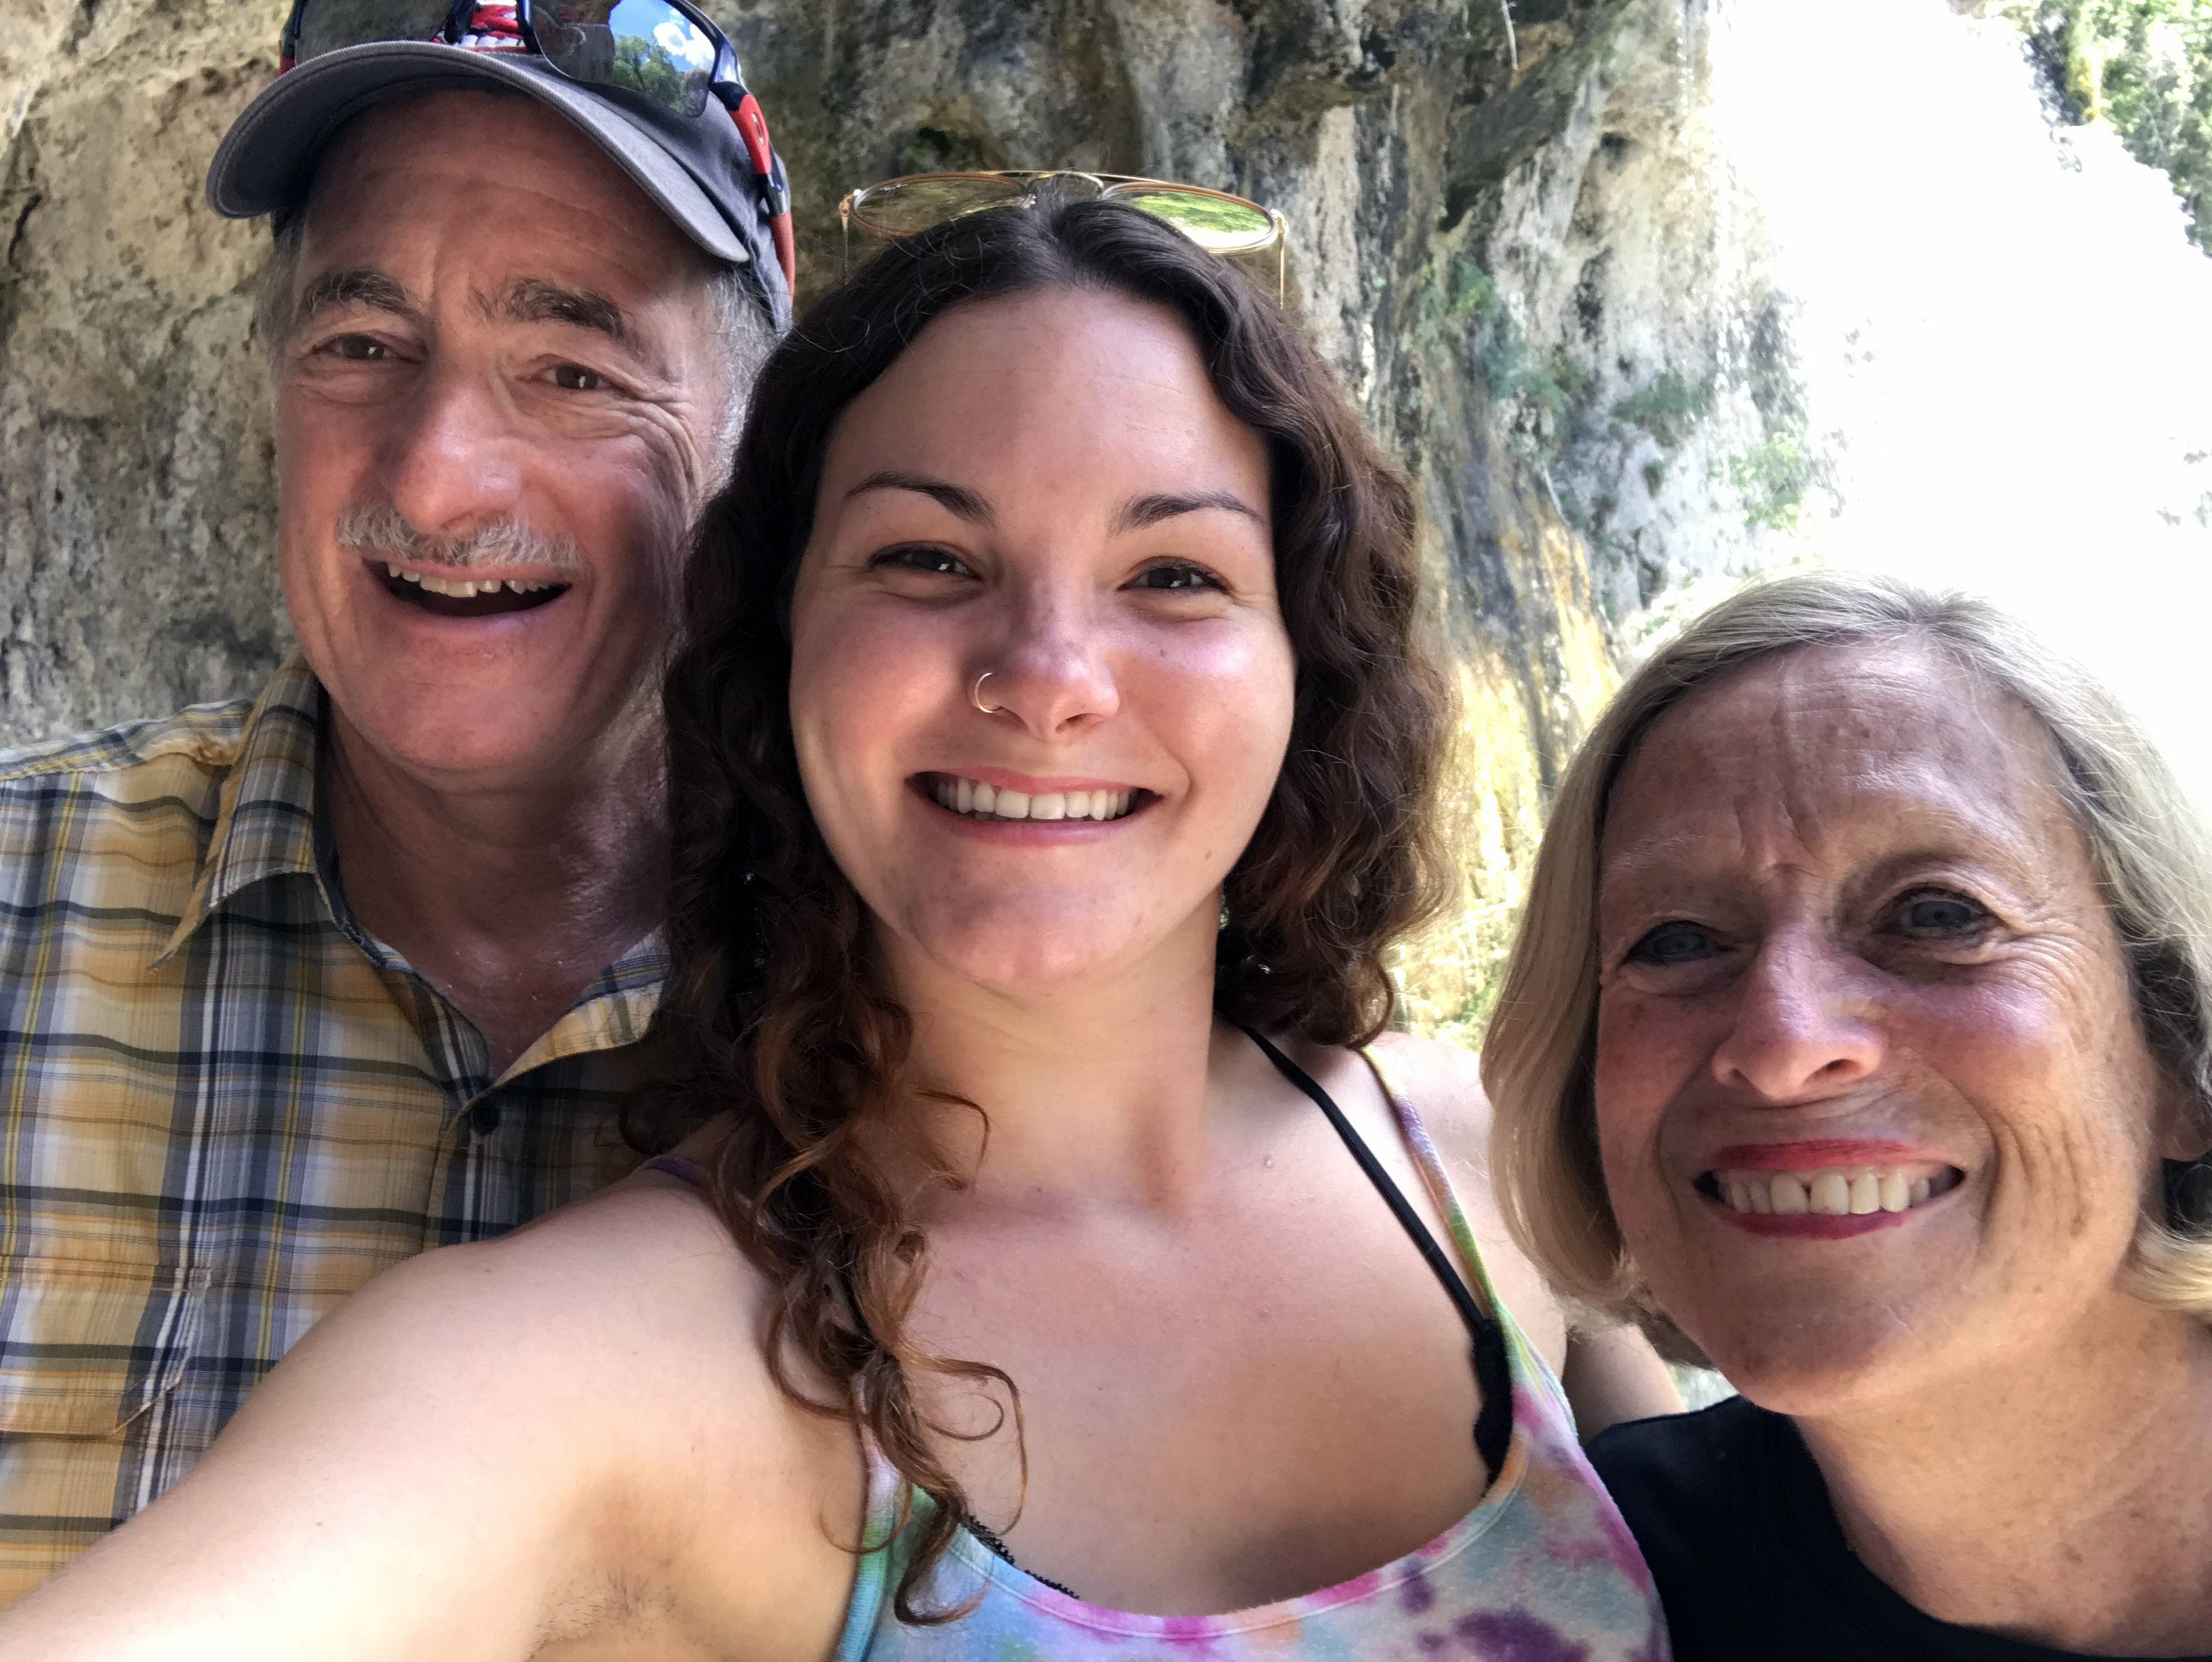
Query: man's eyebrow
(1145, 511)
(531, 300)
(953, 498)
(359, 286)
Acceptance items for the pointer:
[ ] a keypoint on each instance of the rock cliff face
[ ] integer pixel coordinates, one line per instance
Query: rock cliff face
(1503, 235)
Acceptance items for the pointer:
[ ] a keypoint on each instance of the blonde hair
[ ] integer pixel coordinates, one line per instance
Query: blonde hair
(2148, 845)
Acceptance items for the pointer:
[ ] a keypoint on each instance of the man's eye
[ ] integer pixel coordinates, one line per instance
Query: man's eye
(918, 557)
(1675, 942)
(1937, 912)
(575, 378)
(357, 349)
(1176, 577)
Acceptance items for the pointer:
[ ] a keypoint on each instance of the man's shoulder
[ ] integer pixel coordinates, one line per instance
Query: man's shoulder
(117, 817)
(204, 737)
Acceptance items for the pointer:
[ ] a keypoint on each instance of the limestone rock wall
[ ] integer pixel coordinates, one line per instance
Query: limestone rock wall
(1494, 227)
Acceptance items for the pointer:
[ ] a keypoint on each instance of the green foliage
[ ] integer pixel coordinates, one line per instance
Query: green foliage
(1667, 410)
(1654, 475)
(2145, 67)
(1773, 477)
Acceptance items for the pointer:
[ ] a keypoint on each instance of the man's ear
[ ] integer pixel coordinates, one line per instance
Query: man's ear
(2184, 1121)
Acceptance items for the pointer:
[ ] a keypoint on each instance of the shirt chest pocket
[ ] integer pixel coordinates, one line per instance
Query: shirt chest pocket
(87, 1347)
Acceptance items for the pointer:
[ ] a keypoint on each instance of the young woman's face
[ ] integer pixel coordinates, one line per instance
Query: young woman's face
(1043, 494)
(1873, 1102)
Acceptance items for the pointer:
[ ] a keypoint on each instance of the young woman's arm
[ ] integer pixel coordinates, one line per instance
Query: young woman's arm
(488, 1451)
(1613, 1374)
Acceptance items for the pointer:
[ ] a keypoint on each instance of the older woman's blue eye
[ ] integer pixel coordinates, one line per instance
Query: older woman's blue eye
(1672, 943)
(1940, 914)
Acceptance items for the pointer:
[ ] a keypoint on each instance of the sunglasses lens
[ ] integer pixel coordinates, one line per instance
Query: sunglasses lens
(330, 24)
(900, 207)
(1220, 225)
(645, 47)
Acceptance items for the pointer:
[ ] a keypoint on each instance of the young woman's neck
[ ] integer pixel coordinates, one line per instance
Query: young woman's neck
(2063, 1497)
(1101, 1089)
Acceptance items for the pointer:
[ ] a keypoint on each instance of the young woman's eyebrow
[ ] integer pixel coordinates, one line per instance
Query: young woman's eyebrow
(1142, 512)
(953, 498)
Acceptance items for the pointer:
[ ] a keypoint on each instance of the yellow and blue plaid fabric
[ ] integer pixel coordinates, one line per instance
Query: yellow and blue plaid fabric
(223, 1106)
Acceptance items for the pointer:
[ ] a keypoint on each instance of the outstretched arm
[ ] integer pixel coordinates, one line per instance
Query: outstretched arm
(487, 1449)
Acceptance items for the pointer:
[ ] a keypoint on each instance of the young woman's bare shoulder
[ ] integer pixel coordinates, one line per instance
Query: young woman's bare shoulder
(1444, 1084)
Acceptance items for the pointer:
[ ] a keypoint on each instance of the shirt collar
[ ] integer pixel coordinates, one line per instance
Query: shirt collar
(266, 818)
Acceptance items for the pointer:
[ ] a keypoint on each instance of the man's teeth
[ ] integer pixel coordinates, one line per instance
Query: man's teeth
(972, 796)
(464, 590)
(1833, 1191)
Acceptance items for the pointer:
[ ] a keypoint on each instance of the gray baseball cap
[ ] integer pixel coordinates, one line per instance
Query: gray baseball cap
(695, 168)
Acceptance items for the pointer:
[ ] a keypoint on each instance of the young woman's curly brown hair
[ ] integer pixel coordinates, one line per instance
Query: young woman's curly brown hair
(775, 1013)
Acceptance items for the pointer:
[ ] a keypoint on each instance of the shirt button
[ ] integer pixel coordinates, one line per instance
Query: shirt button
(483, 1119)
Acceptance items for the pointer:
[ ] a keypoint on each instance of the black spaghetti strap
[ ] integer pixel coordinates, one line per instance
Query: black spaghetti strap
(1494, 1424)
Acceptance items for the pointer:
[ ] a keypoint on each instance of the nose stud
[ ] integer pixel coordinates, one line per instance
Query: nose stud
(975, 694)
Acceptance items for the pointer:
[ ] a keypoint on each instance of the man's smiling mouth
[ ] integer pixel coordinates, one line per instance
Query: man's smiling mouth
(457, 596)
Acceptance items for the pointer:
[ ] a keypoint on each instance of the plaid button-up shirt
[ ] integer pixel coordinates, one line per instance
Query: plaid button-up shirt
(223, 1106)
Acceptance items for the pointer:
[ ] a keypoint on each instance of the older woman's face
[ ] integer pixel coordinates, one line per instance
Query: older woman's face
(1045, 488)
(1873, 1098)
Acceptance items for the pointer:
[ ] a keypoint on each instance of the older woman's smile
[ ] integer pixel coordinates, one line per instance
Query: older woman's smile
(1869, 1183)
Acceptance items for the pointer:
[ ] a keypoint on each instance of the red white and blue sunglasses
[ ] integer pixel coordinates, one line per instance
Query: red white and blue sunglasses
(666, 52)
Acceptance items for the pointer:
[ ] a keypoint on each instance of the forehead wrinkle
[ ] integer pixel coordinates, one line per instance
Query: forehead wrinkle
(1821, 767)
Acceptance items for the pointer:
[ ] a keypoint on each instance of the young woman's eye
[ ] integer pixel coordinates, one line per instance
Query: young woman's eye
(1175, 577)
(1937, 914)
(1673, 942)
(918, 557)
(575, 378)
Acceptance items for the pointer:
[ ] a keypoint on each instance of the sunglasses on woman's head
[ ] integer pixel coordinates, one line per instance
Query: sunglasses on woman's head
(1218, 222)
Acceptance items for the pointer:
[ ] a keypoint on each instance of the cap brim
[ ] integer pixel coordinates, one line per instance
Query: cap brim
(267, 159)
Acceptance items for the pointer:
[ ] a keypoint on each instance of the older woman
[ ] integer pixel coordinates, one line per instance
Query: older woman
(1857, 1030)
(1059, 612)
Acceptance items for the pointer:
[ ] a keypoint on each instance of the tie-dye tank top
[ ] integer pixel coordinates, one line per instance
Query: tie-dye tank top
(1542, 1570)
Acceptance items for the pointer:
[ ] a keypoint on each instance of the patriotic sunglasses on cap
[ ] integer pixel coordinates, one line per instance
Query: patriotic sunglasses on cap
(1218, 222)
(666, 53)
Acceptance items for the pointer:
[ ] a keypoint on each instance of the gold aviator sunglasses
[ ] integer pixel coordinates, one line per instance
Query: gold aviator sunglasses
(1218, 222)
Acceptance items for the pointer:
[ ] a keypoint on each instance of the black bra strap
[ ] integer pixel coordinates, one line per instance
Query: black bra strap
(1493, 1425)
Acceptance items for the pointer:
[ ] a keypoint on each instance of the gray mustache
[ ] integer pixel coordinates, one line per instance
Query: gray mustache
(381, 530)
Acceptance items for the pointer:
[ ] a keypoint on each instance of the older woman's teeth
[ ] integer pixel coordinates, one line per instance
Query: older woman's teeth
(1833, 1192)
(980, 801)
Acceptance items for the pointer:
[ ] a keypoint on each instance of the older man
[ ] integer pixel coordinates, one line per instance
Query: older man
(293, 987)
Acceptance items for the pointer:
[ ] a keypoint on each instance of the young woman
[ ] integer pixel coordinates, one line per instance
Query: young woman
(1050, 754)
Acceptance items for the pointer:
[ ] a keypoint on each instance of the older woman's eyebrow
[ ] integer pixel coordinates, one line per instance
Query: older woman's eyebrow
(359, 285)
(1142, 512)
(953, 498)
(533, 299)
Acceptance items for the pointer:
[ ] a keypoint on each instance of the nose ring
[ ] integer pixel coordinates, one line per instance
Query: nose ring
(975, 694)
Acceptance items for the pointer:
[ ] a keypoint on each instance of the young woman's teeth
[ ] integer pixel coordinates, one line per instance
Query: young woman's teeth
(1833, 1191)
(981, 801)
